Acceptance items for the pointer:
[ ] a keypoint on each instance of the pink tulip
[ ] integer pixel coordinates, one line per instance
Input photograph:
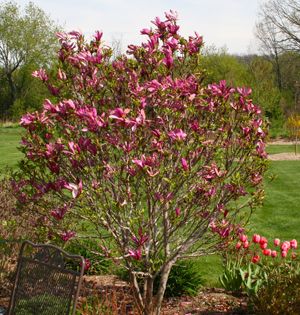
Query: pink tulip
(246, 244)
(277, 242)
(263, 240)
(243, 238)
(267, 252)
(263, 245)
(256, 238)
(273, 253)
(255, 259)
(283, 254)
(238, 245)
(285, 246)
(294, 243)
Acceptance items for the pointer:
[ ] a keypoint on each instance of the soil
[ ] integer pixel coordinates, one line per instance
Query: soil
(209, 301)
(117, 295)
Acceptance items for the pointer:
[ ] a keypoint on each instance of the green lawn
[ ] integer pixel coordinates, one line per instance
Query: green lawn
(276, 148)
(9, 141)
(279, 217)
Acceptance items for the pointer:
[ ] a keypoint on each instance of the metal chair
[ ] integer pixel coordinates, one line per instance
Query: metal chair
(47, 281)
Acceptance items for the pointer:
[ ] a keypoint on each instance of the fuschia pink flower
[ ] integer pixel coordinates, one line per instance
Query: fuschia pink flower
(27, 119)
(41, 74)
(141, 238)
(277, 242)
(59, 213)
(255, 259)
(184, 164)
(65, 236)
(135, 254)
(87, 264)
(177, 212)
(61, 75)
(294, 243)
(177, 134)
(98, 35)
(256, 238)
(76, 189)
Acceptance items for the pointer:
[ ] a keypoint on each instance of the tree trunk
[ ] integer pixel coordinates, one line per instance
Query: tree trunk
(12, 87)
(162, 288)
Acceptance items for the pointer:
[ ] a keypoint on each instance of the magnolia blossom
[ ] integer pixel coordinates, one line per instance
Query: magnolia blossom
(65, 236)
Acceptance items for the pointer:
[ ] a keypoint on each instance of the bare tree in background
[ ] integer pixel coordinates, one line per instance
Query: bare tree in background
(270, 43)
(284, 16)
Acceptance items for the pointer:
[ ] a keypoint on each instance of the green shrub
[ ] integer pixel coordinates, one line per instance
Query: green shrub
(86, 248)
(184, 279)
(280, 294)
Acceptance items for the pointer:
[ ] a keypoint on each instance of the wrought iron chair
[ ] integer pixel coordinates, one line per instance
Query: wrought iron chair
(47, 281)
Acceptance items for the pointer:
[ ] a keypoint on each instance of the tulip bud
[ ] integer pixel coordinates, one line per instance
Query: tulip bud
(255, 259)
(274, 253)
(256, 238)
(277, 242)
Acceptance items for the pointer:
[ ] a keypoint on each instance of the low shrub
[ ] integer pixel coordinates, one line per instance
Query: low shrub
(96, 265)
(280, 294)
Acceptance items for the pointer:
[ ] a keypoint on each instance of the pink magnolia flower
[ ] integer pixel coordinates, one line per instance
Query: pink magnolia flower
(177, 212)
(41, 74)
(98, 35)
(255, 259)
(184, 164)
(65, 236)
(294, 243)
(256, 238)
(59, 213)
(135, 254)
(87, 264)
(141, 239)
(27, 119)
(76, 189)
(277, 242)
(177, 134)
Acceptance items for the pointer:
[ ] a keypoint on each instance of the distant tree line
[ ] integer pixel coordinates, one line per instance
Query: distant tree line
(27, 42)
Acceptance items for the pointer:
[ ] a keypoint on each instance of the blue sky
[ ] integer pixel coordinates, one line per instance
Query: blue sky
(227, 23)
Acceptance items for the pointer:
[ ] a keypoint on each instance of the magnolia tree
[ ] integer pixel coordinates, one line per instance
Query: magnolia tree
(138, 148)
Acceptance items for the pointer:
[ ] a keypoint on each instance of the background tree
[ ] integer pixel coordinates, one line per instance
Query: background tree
(160, 166)
(283, 18)
(27, 39)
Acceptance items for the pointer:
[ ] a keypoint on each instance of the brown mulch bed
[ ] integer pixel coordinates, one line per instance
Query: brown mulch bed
(209, 301)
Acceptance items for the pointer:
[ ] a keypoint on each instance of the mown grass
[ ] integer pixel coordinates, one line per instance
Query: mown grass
(9, 141)
(279, 216)
(276, 148)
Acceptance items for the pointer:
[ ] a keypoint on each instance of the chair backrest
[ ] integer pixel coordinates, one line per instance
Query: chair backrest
(47, 281)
